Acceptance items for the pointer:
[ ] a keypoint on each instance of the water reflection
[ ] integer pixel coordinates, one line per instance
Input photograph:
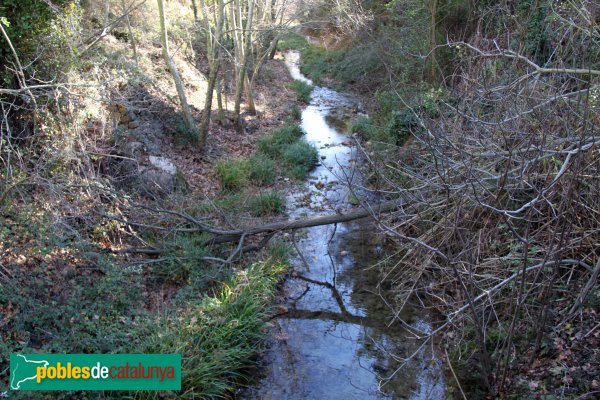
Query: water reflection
(336, 341)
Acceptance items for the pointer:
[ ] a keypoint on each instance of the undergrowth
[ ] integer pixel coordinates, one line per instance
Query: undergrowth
(303, 90)
(219, 335)
(72, 299)
(296, 157)
(267, 204)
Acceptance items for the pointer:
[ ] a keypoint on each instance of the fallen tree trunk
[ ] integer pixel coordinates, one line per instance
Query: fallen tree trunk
(238, 235)
(235, 235)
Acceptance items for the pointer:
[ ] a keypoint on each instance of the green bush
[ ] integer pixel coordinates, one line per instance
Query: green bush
(300, 159)
(33, 25)
(232, 174)
(61, 306)
(274, 144)
(266, 204)
(261, 170)
(303, 90)
(400, 126)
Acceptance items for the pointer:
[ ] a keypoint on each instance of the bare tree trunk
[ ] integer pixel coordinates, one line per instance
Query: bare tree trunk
(214, 52)
(273, 50)
(205, 123)
(249, 95)
(195, 9)
(220, 112)
(131, 37)
(244, 51)
(185, 108)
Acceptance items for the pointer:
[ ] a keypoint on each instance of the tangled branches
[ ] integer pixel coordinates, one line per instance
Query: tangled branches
(507, 172)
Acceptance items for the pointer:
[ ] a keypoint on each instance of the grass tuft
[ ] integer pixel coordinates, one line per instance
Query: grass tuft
(303, 90)
(300, 158)
(284, 145)
(232, 174)
(296, 113)
(275, 144)
(218, 336)
(266, 204)
(261, 170)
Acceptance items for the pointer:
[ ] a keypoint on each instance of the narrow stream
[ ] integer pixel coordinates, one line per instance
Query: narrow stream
(336, 341)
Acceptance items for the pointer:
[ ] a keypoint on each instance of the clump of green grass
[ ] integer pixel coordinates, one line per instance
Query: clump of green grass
(285, 145)
(292, 41)
(261, 170)
(232, 174)
(363, 126)
(274, 144)
(219, 335)
(303, 90)
(183, 254)
(300, 157)
(296, 113)
(266, 204)
(278, 251)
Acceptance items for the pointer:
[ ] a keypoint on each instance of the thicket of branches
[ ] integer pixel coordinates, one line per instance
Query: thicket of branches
(502, 171)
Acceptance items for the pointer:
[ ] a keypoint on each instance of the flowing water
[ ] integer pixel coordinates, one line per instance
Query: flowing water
(336, 341)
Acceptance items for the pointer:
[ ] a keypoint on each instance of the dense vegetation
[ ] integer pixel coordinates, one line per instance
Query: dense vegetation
(484, 122)
(92, 259)
(118, 195)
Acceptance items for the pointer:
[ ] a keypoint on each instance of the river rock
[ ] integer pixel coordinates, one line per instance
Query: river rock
(155, 182)
(163, 164)
(160, 177)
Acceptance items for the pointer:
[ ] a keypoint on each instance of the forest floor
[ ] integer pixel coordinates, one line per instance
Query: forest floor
(274, 101)
(83, 292)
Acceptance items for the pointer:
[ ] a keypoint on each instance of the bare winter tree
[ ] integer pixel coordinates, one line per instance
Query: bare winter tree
(254, 28)
(213, 46)
(185, 108)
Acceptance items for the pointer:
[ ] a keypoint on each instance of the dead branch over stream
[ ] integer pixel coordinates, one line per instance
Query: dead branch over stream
(238, 235)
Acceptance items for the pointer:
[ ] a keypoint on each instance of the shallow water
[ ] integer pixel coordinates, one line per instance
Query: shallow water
(336, 341)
